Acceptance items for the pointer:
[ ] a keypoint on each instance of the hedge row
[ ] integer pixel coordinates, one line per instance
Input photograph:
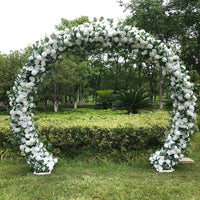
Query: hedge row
(121, 139)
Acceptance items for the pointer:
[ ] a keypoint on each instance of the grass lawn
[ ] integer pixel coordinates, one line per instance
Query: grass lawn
(99, 179)
(91, 117)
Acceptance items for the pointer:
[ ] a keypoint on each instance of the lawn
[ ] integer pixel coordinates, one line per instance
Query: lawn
(90, 117)
(79, 179)
(100, 180)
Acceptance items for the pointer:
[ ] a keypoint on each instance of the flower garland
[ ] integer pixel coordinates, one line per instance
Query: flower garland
(103, 35)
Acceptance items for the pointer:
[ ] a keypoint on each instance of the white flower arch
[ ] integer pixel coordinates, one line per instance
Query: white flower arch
(101, 34)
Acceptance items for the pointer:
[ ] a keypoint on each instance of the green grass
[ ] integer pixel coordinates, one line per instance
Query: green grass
(100, 180)
(91, 117)
(81, 179)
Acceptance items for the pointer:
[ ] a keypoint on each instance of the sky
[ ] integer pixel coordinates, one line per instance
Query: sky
(22, 22)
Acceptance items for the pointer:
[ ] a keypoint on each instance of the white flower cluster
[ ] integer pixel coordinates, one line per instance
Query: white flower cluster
(102, 35)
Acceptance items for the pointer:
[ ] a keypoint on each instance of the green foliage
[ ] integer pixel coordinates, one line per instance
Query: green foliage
(6, 137)
(132, 100)
(100, 131)
(71, 23)
(120, 139)
(9, 66)
(176, 21)
(9, 152)
(101, 118)
(104, 99)
(150, 16)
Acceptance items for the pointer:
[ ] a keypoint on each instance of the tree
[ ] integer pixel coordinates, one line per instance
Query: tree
(9, 66)
(187, 13)
(54, 86)
(176, 22)
(71, 23)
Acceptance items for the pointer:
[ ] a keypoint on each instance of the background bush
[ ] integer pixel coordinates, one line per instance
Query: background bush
(96, 131)
(89, 133)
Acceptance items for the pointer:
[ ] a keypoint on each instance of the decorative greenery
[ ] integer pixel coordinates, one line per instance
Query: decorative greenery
(106, 36)
(132, 100)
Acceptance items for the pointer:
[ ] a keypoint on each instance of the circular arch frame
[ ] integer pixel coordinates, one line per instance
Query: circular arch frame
(103, 35)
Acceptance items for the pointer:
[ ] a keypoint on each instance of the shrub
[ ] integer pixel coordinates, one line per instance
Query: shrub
(132, 100)
(120, 139)
(99, 131)
(104, 99)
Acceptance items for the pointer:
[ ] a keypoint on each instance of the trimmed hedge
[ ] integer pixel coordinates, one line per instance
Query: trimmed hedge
(120, 139)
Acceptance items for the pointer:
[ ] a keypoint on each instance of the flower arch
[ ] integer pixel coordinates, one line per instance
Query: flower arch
(104, 35)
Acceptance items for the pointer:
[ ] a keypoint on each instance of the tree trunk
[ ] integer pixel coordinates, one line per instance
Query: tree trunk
(81, 96)
(160, 90)
(66, 101)
(75, 104)
(151, 91)
(76, 97)
(55, 106)
(126, 75)
(45, 104)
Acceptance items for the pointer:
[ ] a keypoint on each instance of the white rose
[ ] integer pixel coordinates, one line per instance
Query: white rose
(38, 158)
(116, 39)
(28, 143)
(169, 66)
(181, 107)
(161, 161)
(17, 130)
(172, 83)
(185, 120)
(48, 51)
(164, 59)
(36, 149)
(78, 42)
(124, 39)
(168, 161)
(24, 109)
(50, 168)
(30, 58)
(24, 124)
(186, 104)
(32, 140)
(39, 58)
(53, 51)
(32, 79)
(22, 147)
(27, 130)
(30, 123)
(55, 46)
(149, 46)
(176, 156)
(27, 150)
(25, 103)
(187, 96)
(34, 72)
(180, 98)
(46, 154)
(191, 107)
(177, 74)
(61, 49)
(31, 105)
(190, 125)
(44, 54)
(157, 57)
